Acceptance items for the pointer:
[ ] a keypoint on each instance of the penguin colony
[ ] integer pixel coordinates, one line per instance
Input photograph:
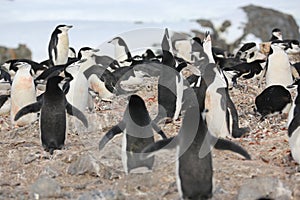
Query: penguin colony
(68, 83)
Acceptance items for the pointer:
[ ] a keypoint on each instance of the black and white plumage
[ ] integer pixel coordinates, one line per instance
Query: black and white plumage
(107, 61)
(53, 106)
(108, 82)
(294, 125)
(122, 53)
(12, 67)
(278, 68)
(58, 48)
(194, 168)
(136, 126)
(5, 77)
(78, 93)
(23, 92)
(245, 70)
(276, 35)
(272, 100)
(170, 83)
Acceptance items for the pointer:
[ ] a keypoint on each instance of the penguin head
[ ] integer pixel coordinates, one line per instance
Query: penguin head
(87, 52)
(276, 32)
(63, 28)
(165, 45)
(117, 41)
(207, 40)
(246, 51)
(10, 65)
(278, 44)
(138, 111)
(53, 83)
(24, 66)
(293, 47)
(72, 53)
(149, 54)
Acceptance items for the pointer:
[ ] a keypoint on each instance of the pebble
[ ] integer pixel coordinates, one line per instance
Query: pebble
(105, 195)
(264, 187)
(85, 164)
(45, 187)
(50, 172)
(30, 158)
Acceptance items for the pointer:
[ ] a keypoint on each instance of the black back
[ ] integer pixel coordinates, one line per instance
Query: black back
(273, 99)
(53, 116)
(139, 132)
(195, 173)
(53, 43)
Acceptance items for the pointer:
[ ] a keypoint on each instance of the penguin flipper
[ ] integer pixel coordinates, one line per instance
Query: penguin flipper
(95, 69)
(158, 130)
(50, 72)
(111, 133)
(31, 108)
(149, 150)
(71, 110)
(5, 75)
(3, 99)
(223, 144)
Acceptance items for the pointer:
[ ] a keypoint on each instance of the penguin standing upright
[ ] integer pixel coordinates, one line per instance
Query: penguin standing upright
(137, 127)
(58, 48)
(78, 92)
(94, 82)
(278, 68)
(122, 53)
(23, 92)
(170, 83)
(194, 168)
(53, 106)
(294, 126)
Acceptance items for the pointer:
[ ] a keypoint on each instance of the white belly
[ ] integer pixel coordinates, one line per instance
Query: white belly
(62, 50)
(291, 114)
(294, 142)
(22, 93)
(215, 117)
(279, 71)
(98, 86)
(78, 92)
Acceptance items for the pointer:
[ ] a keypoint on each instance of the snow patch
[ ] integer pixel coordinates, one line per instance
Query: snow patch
(238, 18)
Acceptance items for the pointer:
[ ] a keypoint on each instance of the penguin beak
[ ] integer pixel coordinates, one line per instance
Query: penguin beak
(69, 26)
(111, 41)
(81, 61)
(96, 50)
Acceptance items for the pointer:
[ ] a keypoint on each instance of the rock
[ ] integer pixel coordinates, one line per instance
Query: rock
(21, 51)
(85, 164)
(260, 23)
(30, 158)
(296, 192)
(44, 188)
(264, 187)
(268, 20)
(105, 195)
(50, 172)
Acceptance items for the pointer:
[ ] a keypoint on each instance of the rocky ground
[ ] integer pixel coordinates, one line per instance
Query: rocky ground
(81, 171)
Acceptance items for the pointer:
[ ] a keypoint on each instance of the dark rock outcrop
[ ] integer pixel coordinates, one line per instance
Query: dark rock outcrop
(22, 51)
(261, 21)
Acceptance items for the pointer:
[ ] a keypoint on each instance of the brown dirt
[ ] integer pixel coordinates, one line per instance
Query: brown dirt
(23, 159)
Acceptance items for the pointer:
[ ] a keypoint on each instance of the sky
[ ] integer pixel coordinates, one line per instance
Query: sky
(31, 22)
(129, 10)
